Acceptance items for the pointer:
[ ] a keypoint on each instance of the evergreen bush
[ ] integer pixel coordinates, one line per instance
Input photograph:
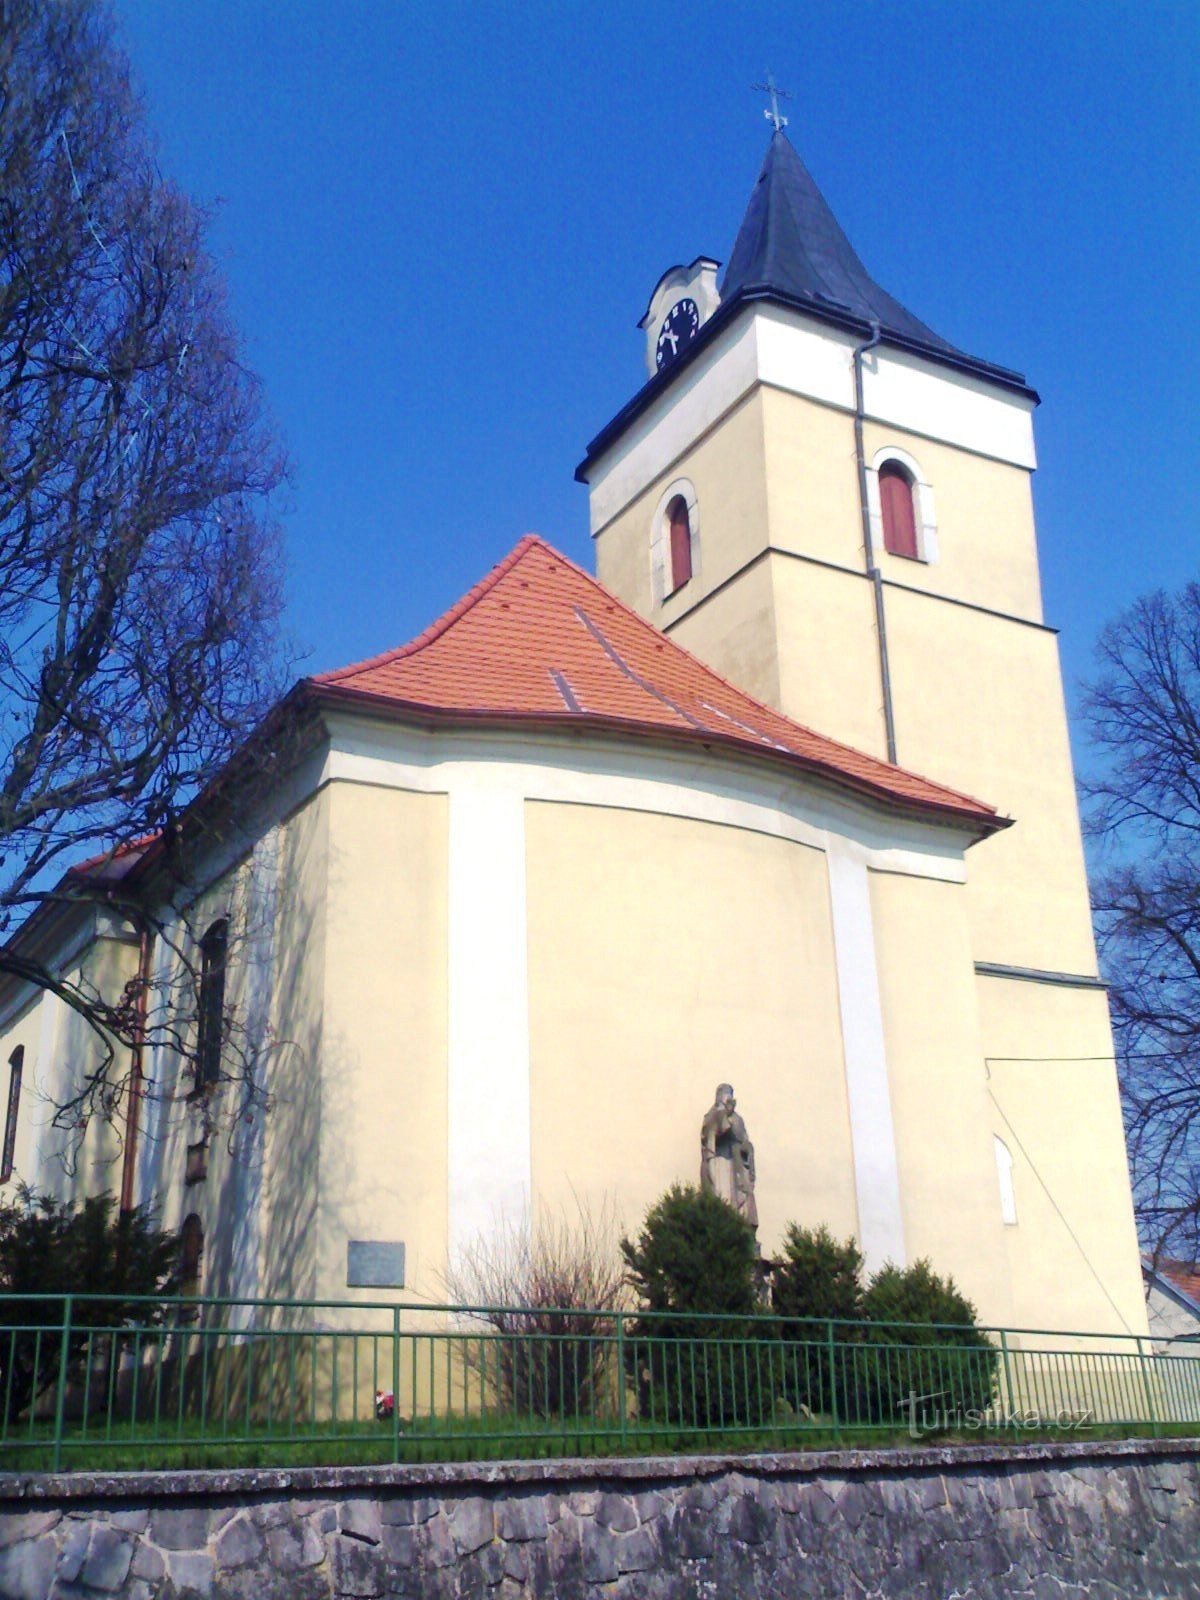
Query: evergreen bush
(928, 1361)
(49, 1248)
(701, 1358)
(818, 1277)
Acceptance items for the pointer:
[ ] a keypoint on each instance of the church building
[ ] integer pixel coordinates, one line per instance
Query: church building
(781, 798)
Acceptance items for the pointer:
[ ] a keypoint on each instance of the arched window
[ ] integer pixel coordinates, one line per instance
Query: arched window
(214, 948)
(898, 508)
(191, 1251)
(16, 1064)
(1004, 1172)
(680, 524)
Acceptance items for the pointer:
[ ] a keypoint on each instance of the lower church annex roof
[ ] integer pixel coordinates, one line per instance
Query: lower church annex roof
(541, 641)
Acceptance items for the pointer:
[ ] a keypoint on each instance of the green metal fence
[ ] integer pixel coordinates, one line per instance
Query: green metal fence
(226, 1381)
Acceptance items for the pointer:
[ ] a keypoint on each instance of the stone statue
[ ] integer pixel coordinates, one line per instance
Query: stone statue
(727, 1156)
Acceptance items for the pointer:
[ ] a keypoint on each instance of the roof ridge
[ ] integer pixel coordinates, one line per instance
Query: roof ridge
(448, 618)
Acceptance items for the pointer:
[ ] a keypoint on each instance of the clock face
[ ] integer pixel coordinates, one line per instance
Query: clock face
(680, 325)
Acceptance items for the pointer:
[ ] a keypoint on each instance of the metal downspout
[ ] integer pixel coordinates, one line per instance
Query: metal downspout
(873, 572)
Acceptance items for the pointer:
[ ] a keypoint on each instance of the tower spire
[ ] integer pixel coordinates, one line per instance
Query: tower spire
(773, 113)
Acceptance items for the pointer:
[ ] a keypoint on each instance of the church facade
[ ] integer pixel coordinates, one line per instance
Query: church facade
(781, 799)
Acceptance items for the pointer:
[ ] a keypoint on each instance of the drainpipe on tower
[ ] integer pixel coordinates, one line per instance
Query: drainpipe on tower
(873, 572)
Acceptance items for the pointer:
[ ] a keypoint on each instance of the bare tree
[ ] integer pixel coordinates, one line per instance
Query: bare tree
(547, 1288)
(1144, 711)
(139, 559)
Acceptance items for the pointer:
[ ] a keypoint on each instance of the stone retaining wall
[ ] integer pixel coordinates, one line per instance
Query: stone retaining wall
(1109, 1521)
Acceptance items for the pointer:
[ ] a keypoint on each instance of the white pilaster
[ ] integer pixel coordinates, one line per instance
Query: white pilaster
(876, 1172)
(488, 1133)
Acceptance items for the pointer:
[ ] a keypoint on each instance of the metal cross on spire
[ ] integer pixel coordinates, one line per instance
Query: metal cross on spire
(773, 115)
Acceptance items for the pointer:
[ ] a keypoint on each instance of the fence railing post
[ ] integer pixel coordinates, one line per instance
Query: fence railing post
(1009, 1415)
(622, 1416)
(833, 1395)
(60, 1399)
(396, 1383)
(1146, 1384)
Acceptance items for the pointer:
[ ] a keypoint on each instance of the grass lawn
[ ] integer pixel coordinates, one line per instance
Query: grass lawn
(145, 1446)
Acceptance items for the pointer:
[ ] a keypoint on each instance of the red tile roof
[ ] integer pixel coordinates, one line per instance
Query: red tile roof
(541, 641)
(1185, 1275)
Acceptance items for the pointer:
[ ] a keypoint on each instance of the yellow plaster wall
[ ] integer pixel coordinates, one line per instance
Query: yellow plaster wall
(812, 479)
(940, 1109)
(667, 956)
(1073, 1254)
(987, 546)
(60, 1050)
(828, 654)
(293, 1170)
(734, 632)
(726, 468)
(383, 1045)
(979, 705)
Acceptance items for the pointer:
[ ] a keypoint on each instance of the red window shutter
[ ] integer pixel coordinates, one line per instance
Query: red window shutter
(899, 515)
(681, 542)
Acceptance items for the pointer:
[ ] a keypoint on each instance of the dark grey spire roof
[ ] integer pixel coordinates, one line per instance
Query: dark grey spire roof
(790, 249)
(790, 244)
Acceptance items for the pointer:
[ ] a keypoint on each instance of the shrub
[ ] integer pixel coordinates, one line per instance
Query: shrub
(48, 1248)
(925, 1351)
(539, 1363)
(697, 1361)
(819, 1276)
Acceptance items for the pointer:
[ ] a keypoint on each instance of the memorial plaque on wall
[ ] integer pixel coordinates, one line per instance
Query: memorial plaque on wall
(374, 1264)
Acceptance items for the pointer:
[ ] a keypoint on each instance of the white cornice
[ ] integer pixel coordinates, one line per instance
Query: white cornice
(784, 349)
(628, 775)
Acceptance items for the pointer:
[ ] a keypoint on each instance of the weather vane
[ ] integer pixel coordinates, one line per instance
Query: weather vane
(777, 94)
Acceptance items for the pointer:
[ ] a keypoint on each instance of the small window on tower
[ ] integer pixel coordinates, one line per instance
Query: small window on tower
(898, 507)
(680, 524)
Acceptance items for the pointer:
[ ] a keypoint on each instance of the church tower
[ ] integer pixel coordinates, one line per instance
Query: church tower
(831, 505)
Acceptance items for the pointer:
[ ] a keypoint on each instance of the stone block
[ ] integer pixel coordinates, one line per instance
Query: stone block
(406, 1512)
(238, 1543)
(488, 1563)
(131, 1521)
(360, 1520)
(359, 1569)
(191, 1572)
(636, 1551)
(437, 1543)
(693, 1534)
(180, 1527)
(516, 1565)
(472, 1523)
(522, 1519)
(615, 1512)
(109, 1556)
(650, 1505)
(72, 1551)
(400, 1546)
(749, 1523)
(18, 1525)
(149, 1563)
(600, 1564)
(294, 1546)
(27, 1569)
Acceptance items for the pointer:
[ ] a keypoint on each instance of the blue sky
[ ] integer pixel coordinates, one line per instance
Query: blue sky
(440, 223)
